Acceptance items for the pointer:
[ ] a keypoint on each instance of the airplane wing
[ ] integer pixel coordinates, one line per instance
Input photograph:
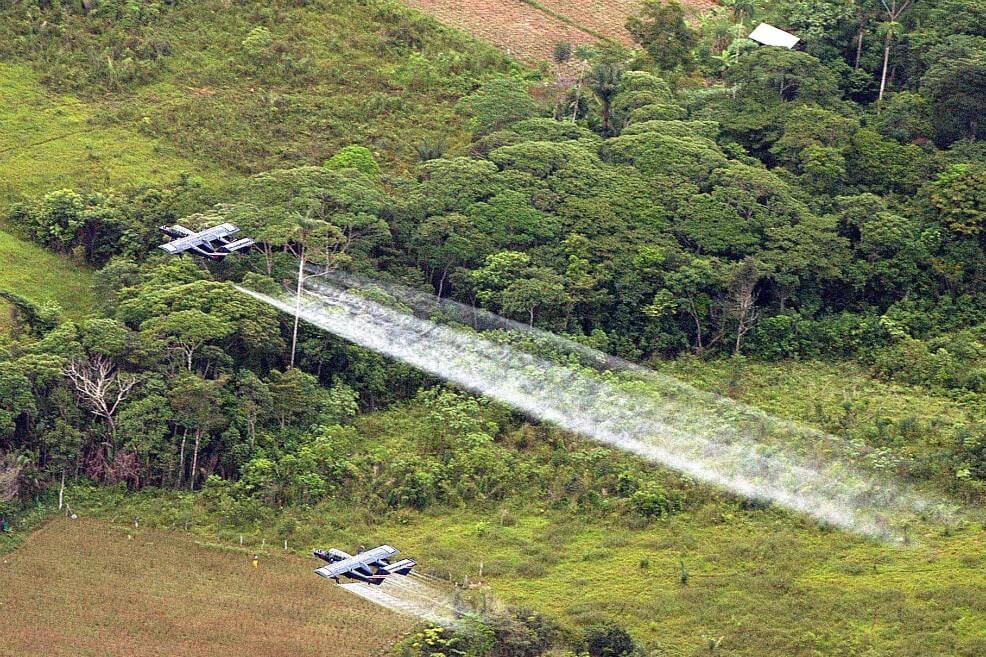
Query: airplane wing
(197, 239)
(361, 560)
(176, 231)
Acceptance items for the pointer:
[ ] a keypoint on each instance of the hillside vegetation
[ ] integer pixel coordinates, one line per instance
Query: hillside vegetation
(802, 230)
(560, 525)
(42, 276)
(49, 140)
(255, 86)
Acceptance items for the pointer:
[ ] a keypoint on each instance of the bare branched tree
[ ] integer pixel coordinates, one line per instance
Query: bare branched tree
(742, 302)
(100, 387)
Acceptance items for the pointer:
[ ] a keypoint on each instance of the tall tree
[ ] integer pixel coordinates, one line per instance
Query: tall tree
(197, 404)
(661, 30)
(100, 387)
(604, 80)
(891, 28)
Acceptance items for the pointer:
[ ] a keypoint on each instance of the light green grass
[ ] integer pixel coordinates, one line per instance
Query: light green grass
(337, 73)
(50, 141)
(820, 392)
(41, 276)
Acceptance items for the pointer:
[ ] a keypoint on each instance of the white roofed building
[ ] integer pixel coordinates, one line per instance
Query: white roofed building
(769, 35)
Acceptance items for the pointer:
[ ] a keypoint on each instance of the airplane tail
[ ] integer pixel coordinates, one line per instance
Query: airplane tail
(402, 567)
(238, 245)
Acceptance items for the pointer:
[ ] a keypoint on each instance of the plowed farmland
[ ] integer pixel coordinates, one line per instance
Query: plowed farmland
(522, 30)
(529, 30)
(78, 588)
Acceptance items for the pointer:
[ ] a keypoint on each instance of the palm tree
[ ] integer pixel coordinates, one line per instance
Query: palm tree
(604, 80)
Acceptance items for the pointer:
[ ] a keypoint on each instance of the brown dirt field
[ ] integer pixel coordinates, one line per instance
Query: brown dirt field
(609, 16)
(516, 27)
(79, 588)
(604, 16)
(529, 33)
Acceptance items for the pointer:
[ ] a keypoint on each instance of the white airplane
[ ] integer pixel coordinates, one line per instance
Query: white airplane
(369, 566)
(210, 243)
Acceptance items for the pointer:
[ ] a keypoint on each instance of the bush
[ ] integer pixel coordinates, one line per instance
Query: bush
(521, 633)
(258, 42)
(355, 157)
(562, 52)
(609, 640)
(652, 501)
(497, 104)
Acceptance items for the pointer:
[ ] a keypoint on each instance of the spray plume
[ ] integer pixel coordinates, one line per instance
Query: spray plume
(707, 437)
(411, 596)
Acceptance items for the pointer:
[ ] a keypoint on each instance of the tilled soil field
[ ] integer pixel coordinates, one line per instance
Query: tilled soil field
(81, 588)
(529, 31)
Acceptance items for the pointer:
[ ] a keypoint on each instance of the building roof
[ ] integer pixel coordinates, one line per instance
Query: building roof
(771, 36)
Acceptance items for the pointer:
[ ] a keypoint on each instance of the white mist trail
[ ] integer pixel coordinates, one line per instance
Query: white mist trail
(661, 419)
(410, 597)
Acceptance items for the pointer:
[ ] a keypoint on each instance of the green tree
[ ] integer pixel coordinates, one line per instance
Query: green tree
(496, 104)
(769, 75)
(16, 398)
(511, 283)
(661, 30)
(604, 81)
(447, 241)
(355, 157)
(185, 332)
(891, 29)
(198, 407)
(959, 195)
(956, 85)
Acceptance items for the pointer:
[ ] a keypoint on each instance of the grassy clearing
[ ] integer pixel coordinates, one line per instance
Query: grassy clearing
(50, 141)
(829, 395)
(316, 76)
(39, 275)
(90, 588)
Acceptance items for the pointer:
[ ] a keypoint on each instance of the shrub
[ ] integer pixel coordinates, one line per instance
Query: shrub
(652, 501)
(497, 104)
(258, 42)
(562, 52)
(609, 640)
(355, 157)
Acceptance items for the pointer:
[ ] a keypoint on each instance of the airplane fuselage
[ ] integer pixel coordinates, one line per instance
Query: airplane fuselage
(370, 566)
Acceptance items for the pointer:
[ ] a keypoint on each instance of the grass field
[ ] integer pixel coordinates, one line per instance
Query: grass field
(329, 74)
(80, 588)
(39, 275)
(766, 581)
(50, 141)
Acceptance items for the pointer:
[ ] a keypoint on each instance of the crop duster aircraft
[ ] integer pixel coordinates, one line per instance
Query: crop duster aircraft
(370, 566)
(211, 243)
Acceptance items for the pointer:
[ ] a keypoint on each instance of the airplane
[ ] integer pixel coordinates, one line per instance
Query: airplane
(369, 566)
(210, 243)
